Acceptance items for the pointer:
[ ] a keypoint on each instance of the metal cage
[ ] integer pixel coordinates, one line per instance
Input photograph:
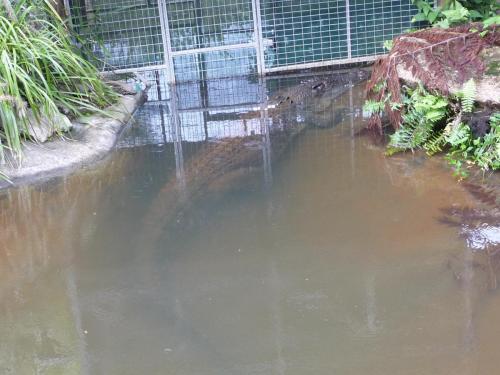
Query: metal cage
(206, 39)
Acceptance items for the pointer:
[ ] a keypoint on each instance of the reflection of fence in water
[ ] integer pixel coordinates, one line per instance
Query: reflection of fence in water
(31, 227)
(41, 227)
(205, 111)
(246, 140)
(37, 220)
(199, 112)
(41, 230)
(208, 110)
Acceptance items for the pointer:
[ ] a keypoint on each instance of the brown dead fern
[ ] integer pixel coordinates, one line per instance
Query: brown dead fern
(434, 56)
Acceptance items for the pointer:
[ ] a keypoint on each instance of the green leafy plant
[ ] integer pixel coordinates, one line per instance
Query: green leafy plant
(426, 11)
(388, 44)
(422, 111)
(373, 107)
(454, 12)
(434, 120)
(434, 123)
(481, 151)
(42, 71)
(493, 20)
(467, 96)
(482, 10)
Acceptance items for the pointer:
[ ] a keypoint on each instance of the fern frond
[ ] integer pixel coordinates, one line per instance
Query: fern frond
(373, 107)
(435, 143)
(424, 112)
(468, 96)
(457, 135)
(402, 139)
(413, 133)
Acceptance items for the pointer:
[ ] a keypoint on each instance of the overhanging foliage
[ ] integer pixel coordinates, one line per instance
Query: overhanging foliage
(41, 70)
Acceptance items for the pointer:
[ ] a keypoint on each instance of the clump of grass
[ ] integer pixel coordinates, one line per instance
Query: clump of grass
(41, 69)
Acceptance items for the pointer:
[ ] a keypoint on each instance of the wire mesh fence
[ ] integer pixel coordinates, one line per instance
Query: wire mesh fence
(206, 39)
(209, 23)
(373, 22)
(304, 31)
(215, 64)
(123, 34)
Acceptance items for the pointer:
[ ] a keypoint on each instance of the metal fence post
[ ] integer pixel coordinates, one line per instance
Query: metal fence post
(264, 129)
(166, 40)
(259, 45)
(348, 28)
(177, 139)
(67, 9)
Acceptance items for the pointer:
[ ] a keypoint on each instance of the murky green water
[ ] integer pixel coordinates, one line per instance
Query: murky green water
(292, 248)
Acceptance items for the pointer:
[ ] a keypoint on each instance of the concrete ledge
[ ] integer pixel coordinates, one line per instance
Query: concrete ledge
(90, 140)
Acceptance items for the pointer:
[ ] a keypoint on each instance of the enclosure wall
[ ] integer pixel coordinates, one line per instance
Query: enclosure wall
(205, 39)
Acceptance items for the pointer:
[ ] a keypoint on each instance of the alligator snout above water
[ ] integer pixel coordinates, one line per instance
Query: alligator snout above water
(280, 103)
(316, 86)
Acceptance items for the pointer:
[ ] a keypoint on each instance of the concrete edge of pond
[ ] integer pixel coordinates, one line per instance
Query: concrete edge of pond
(90, 140)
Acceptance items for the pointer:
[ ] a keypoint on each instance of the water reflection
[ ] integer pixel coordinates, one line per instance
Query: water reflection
(286, 246)
(41, 324)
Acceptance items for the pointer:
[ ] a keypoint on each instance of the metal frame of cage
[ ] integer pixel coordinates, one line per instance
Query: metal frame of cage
(193, 49)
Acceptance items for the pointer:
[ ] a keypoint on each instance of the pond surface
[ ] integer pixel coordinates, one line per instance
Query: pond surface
(241, 239)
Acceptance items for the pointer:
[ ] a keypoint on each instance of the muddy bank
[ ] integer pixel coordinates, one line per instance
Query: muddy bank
(90, 139)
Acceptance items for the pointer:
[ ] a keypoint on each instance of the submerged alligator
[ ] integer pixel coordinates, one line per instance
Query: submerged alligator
(226, 163)
(280, 103)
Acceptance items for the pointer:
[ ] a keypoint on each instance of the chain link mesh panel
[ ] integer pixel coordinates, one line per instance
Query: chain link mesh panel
(206, 39)
(209, 23)
(124, 34)
(373, 22)
(215, 64)
(304, 31)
